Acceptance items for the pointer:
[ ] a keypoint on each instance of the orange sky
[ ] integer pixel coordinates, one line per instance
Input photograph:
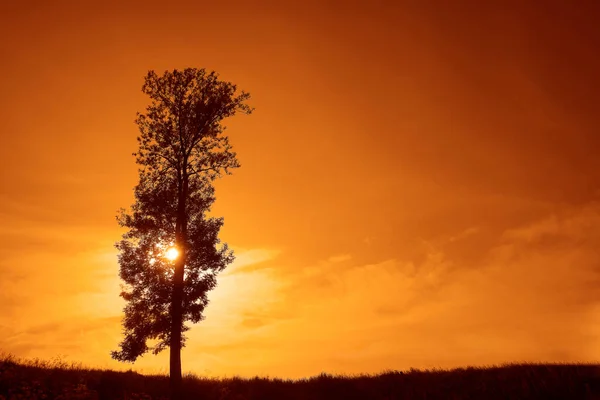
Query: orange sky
(420, 183)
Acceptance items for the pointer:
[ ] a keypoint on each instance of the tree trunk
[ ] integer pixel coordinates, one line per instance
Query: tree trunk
(175, 378)
(176, 322)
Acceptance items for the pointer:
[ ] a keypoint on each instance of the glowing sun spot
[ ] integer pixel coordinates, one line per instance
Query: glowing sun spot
(172, 254)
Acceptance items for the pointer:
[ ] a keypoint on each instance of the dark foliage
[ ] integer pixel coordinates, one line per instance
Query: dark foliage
(182, 150)
(529, 381)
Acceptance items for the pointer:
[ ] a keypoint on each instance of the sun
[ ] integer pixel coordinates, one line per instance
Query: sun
(172, 254)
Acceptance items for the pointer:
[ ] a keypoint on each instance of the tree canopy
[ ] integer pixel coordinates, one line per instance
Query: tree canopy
(182, 150)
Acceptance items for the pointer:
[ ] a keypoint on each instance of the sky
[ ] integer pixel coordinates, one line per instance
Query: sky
(420, 185)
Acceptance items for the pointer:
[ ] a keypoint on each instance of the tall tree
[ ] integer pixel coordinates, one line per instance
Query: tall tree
(171, 254)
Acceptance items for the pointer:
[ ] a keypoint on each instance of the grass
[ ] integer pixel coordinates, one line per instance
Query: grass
(32, 380)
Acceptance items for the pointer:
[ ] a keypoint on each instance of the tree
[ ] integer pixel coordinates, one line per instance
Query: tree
(171, 254)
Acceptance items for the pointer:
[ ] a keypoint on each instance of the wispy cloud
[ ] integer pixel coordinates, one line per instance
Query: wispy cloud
(539, 306)
(250, 259)
(339, 258)
(533, 297)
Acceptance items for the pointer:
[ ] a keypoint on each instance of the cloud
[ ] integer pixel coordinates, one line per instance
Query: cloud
(529, 299)
(253, 323)
(250, 259)
(531, 296)
(88, 338)
(339, 258)
(466, 233)
(72, 305)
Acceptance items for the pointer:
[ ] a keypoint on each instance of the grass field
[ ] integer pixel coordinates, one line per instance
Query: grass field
(58, 380)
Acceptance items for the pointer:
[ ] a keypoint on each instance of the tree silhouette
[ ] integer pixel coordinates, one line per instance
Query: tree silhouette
(182, 150)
